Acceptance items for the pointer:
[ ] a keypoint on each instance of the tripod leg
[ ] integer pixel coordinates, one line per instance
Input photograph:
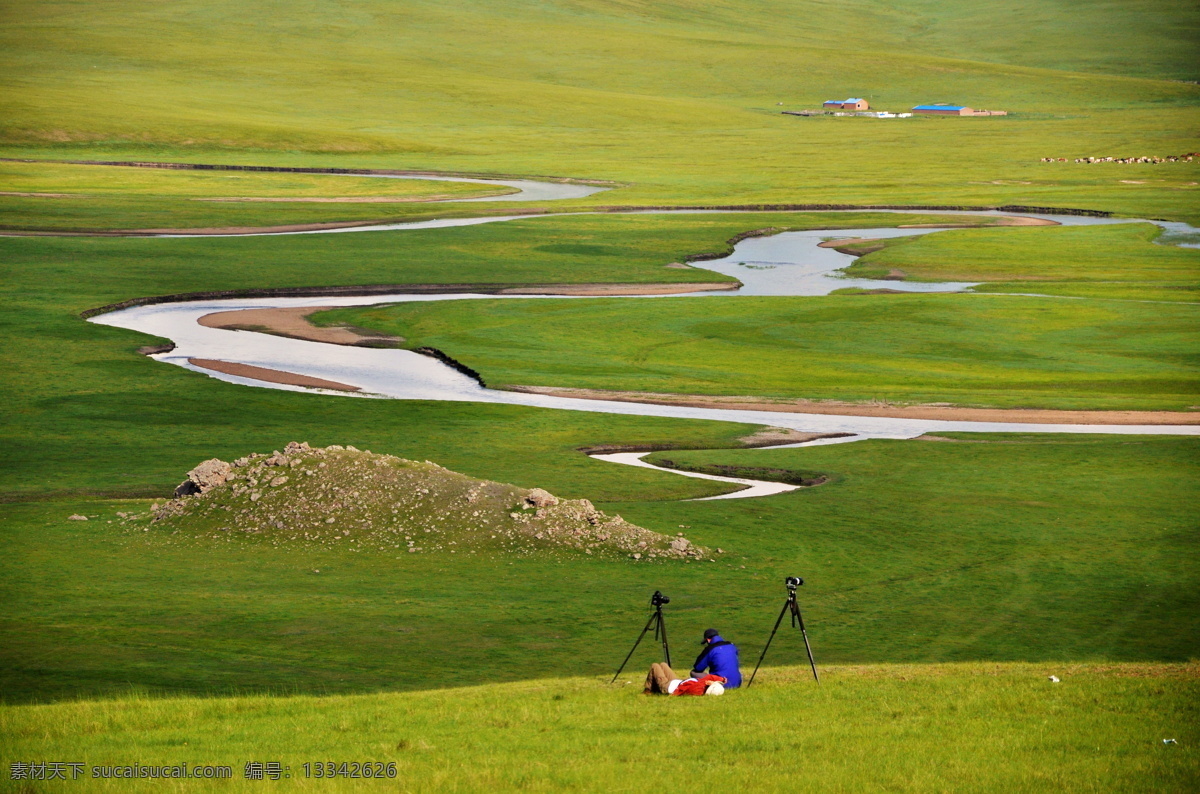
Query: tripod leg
(779, 620)
(649, 623)
(798, 617)
(662, 626)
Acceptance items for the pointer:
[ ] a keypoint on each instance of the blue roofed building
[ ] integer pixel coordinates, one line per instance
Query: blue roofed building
(854, 103)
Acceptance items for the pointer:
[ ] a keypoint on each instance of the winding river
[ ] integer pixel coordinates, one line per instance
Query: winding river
(786, 264)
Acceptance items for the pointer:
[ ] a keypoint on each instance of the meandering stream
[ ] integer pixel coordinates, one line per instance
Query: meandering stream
(791, 263)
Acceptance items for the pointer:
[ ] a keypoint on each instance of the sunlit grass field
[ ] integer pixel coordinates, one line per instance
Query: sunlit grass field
(1123, 258)
(978, 727)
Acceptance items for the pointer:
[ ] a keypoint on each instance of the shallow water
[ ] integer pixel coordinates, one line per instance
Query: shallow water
(751, 489)
(530, 190)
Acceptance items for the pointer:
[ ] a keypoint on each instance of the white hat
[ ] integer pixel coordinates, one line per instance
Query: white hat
(715, 688)
(671, 687)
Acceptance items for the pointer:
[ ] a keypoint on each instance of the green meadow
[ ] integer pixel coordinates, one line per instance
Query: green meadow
(946, 579)
(974, 350)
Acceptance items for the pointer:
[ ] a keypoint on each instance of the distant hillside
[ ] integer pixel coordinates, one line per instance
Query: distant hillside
(679, 99)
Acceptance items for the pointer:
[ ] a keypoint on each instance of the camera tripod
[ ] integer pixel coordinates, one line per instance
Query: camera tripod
(660, 628)
(790, 605)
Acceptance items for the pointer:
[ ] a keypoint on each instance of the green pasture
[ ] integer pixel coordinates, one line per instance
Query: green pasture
(681, 101)
(978, 727)
(988, 350)
(96, 181)
(1005, 548)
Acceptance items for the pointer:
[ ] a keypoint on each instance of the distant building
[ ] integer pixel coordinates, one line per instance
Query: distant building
(954, 110)
(847, 104)
(942, 110)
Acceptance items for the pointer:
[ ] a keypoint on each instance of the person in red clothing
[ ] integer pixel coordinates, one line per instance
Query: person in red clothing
(705, 685)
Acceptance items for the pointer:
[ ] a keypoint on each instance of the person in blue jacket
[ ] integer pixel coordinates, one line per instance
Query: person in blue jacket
(719, 657)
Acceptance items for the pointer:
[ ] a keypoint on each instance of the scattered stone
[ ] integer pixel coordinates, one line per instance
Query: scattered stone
(77, 517)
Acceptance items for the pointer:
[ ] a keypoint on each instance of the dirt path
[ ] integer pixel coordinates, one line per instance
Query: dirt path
(269, 375)
(830, 407)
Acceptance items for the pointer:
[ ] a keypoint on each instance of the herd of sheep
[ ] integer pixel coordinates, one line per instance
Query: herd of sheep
(1183, 158)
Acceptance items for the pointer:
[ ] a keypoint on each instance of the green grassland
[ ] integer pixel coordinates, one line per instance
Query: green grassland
(124, 182)
(681, 101)
(1074, 539)
(947, 727)
(977, 350)
(1010, 549)
(990, 350)
(101, 197)
(1119, 261)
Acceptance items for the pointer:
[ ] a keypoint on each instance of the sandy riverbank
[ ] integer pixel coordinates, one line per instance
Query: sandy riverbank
(834, 408)
(292, 323)
(269, 375)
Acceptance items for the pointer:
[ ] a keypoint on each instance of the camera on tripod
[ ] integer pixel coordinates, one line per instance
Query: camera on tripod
(792, 582)
(656, 622)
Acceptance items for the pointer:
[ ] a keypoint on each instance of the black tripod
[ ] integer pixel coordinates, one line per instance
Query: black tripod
(792, 583)
(660, 627)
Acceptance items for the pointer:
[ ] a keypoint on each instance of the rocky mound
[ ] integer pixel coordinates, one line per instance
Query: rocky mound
(343, 497)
